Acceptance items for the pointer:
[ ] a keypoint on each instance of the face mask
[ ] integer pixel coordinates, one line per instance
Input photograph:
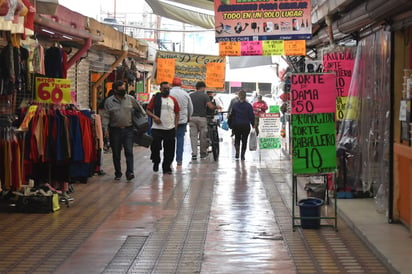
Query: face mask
(165, 92)
(121, 92)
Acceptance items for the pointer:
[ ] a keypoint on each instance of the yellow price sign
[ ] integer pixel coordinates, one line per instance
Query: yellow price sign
(53, 90)
(29, 115)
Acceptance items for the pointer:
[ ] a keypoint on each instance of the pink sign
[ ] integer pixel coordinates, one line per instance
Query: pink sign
(236, 84)
(313, 93)
(342, 64)
(251, 48)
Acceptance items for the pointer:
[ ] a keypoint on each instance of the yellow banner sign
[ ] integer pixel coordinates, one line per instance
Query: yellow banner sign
(191, 68)
(53, 90)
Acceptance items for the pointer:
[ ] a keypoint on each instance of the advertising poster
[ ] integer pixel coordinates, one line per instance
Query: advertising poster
(269, 131)
(313, 143)
(262, 20)
(313, 93)
(191, 68)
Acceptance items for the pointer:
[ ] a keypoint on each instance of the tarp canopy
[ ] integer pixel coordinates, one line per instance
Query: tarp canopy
(197, 13)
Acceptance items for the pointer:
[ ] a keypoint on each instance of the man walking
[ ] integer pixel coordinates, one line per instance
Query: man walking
(186, 111)
(164, 111)
(118, 126)
(198, 121)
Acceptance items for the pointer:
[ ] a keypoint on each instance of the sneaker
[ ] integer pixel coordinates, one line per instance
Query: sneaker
(155, 167)
(117, 178)
(194, 157)
(130, 176)
(203, 156)
(179, 163)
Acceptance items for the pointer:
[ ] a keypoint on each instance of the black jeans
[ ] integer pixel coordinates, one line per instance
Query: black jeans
(167, 137)
(122, 138)
(241, 134)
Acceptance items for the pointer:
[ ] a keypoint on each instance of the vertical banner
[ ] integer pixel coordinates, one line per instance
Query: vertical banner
(313, 143)
(269, 131)
(191, 68)
(313, 93)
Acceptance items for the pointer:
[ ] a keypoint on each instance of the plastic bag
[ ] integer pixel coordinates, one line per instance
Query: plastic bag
(252, 140)
(225, 125)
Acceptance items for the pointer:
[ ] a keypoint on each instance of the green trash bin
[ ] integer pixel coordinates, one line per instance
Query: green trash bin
(310, 207)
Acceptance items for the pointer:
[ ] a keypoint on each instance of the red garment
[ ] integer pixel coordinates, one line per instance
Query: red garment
(85, 126)
(259, 107)
(29, 18)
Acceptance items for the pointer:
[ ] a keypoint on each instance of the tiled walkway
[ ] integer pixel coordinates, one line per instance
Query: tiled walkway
(208, 217)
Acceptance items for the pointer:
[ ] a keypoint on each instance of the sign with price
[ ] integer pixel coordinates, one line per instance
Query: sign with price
(313, 93)
(313, 143)
(29, 115)
(53, 90)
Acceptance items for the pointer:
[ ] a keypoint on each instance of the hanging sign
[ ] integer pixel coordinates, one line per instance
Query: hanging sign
(342, 64)
(29, 115)
(53, 90)
(267, 47)
(191, 68)
(313, 143)
(165, 70)
(313, 93)
(262, 20)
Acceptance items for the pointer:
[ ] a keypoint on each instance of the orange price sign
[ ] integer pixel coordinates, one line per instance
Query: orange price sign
(53, 90)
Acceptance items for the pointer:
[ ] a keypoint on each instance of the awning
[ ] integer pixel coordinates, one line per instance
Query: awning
(190, 12)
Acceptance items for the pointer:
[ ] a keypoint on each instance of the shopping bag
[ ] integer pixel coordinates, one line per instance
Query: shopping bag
(140, 121)
(252, 140)
(225, 125)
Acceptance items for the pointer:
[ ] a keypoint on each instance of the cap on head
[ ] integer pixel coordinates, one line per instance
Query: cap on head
(259, 97)
(177, 81)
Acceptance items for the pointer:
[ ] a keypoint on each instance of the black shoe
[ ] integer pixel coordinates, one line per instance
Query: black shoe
(194, 157)
(130, 176)
(117, 178)
(243, 158)
(155, 167)
(167, 172)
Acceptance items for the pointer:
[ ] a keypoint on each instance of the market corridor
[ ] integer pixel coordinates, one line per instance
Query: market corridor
(208, 217)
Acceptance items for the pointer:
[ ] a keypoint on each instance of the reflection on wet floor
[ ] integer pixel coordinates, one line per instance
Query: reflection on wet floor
(208, 217)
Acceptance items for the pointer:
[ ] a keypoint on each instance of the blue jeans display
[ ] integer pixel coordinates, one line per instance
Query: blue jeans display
(122, 138)
(180, 139)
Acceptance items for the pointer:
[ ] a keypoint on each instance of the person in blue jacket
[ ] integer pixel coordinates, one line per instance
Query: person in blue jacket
(242, 119)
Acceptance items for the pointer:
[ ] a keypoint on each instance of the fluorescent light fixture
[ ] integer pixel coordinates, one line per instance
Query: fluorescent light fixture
(67, 37)
(48, 31)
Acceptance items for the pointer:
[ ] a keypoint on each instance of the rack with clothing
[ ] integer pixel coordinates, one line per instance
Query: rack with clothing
(62, 144)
